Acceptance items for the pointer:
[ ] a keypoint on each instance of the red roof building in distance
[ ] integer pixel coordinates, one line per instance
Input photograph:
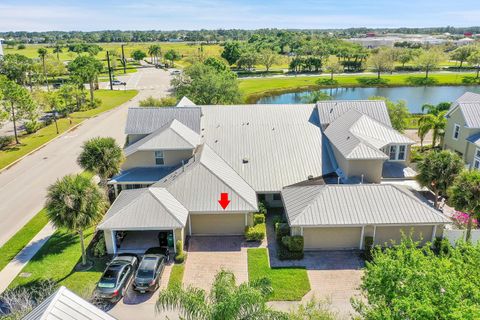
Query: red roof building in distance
(468, 34)
(370, 34)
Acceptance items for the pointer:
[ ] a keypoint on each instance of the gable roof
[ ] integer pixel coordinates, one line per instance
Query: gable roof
(172, 136)
(269, 146)
(469, 105)
(147, 120)
(198, 184)
(358, 136)
(330, 110)
(148, 208)
(475, 139)
(361, 204)
(185, 102)
(64, 304)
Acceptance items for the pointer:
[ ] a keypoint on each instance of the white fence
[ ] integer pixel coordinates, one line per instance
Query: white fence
(454, 235)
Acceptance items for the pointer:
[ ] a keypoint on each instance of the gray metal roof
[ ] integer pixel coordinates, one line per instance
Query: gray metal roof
(63, 305)
(358, 136)
(185, 102)
(269, 146)
(361, 204)
(469, 104)
(143, 174)
(469, 97)
(330, 110)
(147, 120)
(198, 185)
(172, 136)
(147, 208)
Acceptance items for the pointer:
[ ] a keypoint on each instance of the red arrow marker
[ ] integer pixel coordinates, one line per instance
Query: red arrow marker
(224, 202)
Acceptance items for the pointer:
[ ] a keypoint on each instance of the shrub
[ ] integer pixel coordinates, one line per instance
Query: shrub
(372, 81)
(5, 141)
(100, 248)
(262, 207)
(407, 68)
(258, 218)
(276, 220)
(470, 80)
(293, 243)
(368, 242)
(421, 81)
(180, 255)
(441, 246)
(21, 46)
(327, 82)
(255, 233)
(284, 254)
(32, 126)
(282, 230)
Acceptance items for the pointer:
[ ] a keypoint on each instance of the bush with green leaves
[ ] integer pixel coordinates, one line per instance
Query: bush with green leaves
(100, 248)
(256, 232)
(327, 82)
(258, 218)
(262, 207)
(421, 81)
(5, 141)
(293, 243)
(180, 255)
(284, 254)
(368, 243)
(281, 230)
(32, 126)
(368, 81)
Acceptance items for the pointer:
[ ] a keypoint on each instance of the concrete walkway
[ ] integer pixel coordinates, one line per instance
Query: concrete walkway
(14, 267)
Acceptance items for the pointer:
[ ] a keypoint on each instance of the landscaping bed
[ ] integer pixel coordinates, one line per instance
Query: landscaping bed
(289, 283)
(176, 275)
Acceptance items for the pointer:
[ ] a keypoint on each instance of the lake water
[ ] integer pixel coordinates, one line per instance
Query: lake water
(414, 96)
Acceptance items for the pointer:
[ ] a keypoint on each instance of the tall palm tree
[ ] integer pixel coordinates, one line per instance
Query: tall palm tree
(226, 300)
(58, 49)
(102, 156)
(42, 53)
(154, 51)
(75, 203)
(436, 123)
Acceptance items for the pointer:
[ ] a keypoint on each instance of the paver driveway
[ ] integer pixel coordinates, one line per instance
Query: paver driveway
(208, 255)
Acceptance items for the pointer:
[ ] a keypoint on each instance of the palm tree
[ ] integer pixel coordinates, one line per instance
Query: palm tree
(424, 127)
(42, 53)
(75, 203)
(436, 123)
(102, 156)
(437, 170)
(154, 51)
(226, 300)
(58, 49)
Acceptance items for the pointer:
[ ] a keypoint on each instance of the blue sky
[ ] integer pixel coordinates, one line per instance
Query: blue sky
(90, 15)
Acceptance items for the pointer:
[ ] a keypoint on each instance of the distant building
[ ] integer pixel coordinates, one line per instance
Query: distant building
(1, 48)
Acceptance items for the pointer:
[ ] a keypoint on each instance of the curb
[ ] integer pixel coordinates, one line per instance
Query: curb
(39, 147)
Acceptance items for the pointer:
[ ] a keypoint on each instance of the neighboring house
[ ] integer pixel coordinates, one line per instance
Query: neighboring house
(64, 304)
(180, 159)
(1, 47)
(462, 133)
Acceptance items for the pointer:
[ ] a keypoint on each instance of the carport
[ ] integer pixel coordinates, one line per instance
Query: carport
(138, 241)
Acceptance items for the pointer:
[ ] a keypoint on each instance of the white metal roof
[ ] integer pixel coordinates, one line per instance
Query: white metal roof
(361, 204)
(185, 102)
(469, 105)
(147, 208)
(63, 305)
(172, 136)
(198, 185)
(358, 136)
(147, 120)
(269, 146)
(330, 110)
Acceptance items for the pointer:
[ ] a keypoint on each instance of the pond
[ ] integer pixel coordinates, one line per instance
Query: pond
(414, 96)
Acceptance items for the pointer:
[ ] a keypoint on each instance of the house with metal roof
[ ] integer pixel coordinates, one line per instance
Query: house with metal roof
(181, 161)
(462, 133)
(64, 304)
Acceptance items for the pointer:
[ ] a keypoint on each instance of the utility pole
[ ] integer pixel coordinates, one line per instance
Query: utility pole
(124, 61)
(109, 71)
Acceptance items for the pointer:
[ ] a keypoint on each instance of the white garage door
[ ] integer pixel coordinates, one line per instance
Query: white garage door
(385, 235)
(332, 238)
(218, 224)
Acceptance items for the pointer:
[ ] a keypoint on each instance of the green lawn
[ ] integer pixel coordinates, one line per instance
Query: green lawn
(29, 142)
(23, 236)
(176, 276)
(56, 261)
(289, 284)
(253, 89)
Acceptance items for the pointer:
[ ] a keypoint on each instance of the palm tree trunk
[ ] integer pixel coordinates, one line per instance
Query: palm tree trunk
(91, 91)
(469, 228)
(45, 74)
(421, 144)
(435, 201)
(14, 124)
(82, 244)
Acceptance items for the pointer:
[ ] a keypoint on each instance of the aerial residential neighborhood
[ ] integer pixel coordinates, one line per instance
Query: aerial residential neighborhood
(239, 160)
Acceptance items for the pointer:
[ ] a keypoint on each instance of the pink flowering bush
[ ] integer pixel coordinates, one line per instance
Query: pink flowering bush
(460, 219)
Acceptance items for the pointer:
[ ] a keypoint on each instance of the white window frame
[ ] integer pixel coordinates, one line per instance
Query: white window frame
(456, 131)
(397, 152)
(159, 157)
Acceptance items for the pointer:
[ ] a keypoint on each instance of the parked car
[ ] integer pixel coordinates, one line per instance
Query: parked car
(175, 72)
(119, 83)
(116, 278)
(148, 275)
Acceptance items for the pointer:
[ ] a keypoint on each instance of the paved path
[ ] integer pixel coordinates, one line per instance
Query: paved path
(14, 267)
(23, 187)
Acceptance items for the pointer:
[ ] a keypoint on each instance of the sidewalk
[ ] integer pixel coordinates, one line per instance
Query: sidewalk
(14, 267)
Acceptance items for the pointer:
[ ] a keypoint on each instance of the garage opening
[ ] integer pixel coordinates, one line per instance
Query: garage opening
(341, 238)
(139, 241)
(217, 224)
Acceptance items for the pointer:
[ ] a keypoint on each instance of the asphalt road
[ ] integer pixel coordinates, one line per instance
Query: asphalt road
(23, 187)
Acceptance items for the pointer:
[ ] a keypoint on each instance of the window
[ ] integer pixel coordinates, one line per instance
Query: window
(476, 164)
(401, 153)
(277, 197)
(393, 152)
(476, 159)
(456, 131)
(159, 159)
